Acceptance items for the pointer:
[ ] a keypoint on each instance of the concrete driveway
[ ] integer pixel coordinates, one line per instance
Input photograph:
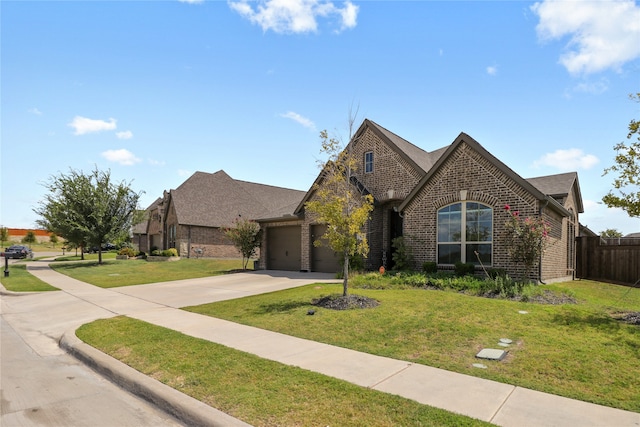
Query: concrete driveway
(43, 385)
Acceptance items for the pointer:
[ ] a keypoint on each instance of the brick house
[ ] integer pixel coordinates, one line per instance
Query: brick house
(430, 197)
(192, 217)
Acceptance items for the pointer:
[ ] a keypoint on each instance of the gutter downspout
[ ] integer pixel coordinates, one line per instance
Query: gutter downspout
(546, 202)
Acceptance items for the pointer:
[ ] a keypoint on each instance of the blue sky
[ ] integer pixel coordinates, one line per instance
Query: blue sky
(156, 90)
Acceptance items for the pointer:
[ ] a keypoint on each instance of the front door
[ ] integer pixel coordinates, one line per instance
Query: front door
(395, 230)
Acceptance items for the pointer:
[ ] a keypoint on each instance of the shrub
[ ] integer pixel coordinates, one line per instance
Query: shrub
(497, 272)
(429, 267)
(402, 256)
(464, 269)
(170, 252)
(127, 251)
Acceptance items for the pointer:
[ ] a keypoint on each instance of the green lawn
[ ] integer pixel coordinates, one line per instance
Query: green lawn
(20, 280)
(578, 351)
(258, 391)
(116, 273)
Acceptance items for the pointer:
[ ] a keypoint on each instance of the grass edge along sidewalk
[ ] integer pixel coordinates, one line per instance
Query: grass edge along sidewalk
(255, 390)
(579, 351)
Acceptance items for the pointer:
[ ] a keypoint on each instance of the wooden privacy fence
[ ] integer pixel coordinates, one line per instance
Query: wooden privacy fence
(611, 260)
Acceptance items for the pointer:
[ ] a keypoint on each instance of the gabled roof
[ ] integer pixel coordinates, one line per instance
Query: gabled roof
(142, 227)
(421, 160)
(216, 200)
(418, 158)
(559, 186)
(463, 138)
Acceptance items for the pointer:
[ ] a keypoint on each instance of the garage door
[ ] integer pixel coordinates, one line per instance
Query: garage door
(323, 258)
(283, 248)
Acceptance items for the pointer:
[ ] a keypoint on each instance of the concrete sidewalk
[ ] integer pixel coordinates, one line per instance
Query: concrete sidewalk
(498, 403)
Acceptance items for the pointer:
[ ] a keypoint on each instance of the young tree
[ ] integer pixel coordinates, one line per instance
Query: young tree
(4, 235)
(246, 237)
(29, 238)
(525, 240)
(53, 239)
(610, 232)
(87, 209)
(340, 204)
(628, 168)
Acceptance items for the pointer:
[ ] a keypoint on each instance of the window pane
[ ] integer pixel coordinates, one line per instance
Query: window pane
(449, 225)
(449, 254)
(479, 224)
(484, 251)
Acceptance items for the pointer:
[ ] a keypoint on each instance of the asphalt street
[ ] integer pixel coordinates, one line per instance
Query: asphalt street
(55, 389)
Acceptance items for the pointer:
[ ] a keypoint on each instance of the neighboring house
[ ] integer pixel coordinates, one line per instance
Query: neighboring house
(633, 235)
(192, 218)
(430, 198)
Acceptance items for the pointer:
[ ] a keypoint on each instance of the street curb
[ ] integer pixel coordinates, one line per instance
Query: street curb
(186, 409)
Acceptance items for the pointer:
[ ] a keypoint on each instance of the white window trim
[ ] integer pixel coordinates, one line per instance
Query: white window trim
(463, 227)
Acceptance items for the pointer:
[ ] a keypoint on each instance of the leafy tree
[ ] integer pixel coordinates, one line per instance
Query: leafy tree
(340, 204)
(4, 235)
(628, 168)
(53, 239)
(246, 237)
(29, 238)
(87, 209)
(610, 232)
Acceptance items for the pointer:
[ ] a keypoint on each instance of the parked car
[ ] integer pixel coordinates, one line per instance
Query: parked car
(18, 251)
(105, 247)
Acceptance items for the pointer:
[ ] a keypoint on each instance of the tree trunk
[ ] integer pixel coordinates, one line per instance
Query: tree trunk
(345, 271)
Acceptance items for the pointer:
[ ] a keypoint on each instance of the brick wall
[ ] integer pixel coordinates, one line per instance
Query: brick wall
(391, 181)
(483, 182)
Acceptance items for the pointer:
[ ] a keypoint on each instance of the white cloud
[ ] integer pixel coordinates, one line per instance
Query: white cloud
(155, 162)
(191, 1)
(84, 125)
(567, 160)
(122, 156)
(35, 111)
(127, 134)
(295, 16)
(603, 34)
(492, 70)
(184, 172)
(299, 119)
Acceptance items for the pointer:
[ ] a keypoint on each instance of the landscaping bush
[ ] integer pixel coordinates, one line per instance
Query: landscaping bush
(402, 256)
(464, 269)
(497, 272)
(430, 267)
(167, 252)
(170, 252)
(127, 251)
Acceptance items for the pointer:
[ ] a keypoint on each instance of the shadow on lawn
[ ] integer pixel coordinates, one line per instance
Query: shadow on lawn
(600, 321)
(281, 307)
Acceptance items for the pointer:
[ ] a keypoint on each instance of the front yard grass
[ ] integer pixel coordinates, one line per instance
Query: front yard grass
(575, 350)
(258, 391)
(20, 280)
(116, 273)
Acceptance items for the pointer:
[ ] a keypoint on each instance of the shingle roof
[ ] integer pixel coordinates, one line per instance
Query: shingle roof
(423, 159)
(216, 200)
(559, 185)
(141, 227)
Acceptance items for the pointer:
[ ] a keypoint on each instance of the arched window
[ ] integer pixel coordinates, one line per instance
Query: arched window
(464, 229)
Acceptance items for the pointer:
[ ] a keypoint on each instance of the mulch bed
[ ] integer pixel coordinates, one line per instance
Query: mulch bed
(339, 302)
(632, 317)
